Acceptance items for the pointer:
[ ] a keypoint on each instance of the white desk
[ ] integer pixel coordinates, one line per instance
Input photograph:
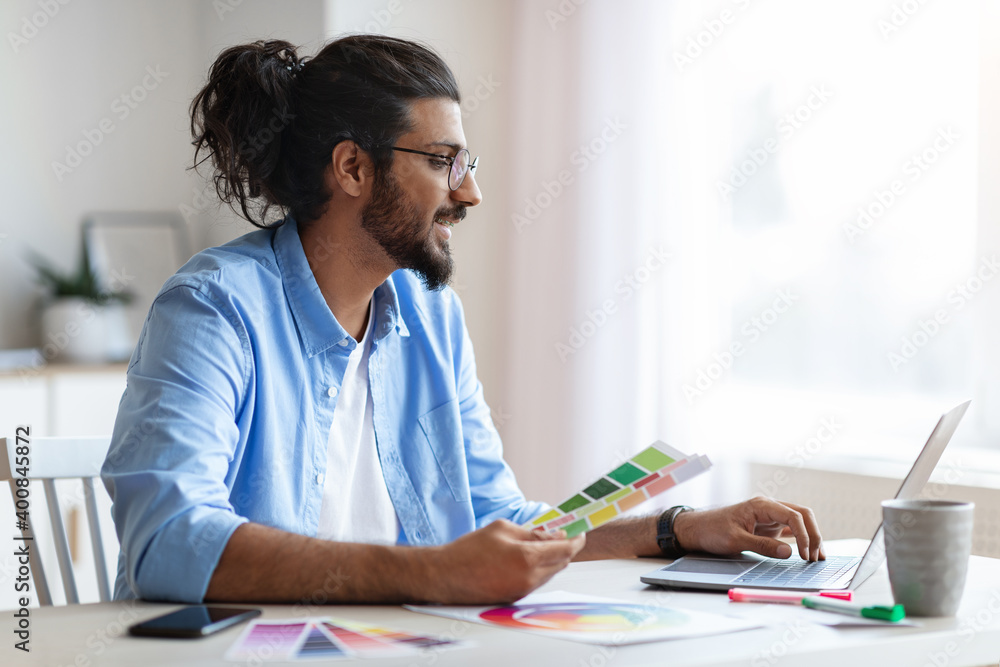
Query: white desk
(85, 635)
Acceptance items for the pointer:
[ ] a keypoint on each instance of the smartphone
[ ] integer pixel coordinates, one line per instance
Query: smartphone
(197, 621)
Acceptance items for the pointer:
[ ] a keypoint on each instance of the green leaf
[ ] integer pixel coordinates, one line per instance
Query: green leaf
(82, 283)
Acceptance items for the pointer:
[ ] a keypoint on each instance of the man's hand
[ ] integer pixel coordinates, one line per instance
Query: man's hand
(751, 525)
(499, 563)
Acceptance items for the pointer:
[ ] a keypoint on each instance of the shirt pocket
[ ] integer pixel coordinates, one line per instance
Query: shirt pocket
(442, 427)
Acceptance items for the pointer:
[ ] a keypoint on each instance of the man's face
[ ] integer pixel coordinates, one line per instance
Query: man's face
(412, 209)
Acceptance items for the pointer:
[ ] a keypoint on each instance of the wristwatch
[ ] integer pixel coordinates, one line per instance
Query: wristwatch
(665, 537)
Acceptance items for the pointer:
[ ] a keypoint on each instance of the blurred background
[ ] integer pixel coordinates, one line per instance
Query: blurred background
(765, 232)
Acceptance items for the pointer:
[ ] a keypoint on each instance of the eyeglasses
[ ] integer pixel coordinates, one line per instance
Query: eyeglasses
(460, 164)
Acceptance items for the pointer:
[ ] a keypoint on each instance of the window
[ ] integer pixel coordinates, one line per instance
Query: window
(843, 145)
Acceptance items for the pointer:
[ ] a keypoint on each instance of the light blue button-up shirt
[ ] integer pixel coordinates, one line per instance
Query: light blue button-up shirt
(230, 398)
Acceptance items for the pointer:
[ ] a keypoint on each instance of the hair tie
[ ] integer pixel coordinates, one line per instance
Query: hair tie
(295, 66)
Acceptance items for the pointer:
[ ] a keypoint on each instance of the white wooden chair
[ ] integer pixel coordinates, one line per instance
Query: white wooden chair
(51, 459)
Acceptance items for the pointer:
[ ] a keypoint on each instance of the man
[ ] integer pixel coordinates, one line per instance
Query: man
(303, 419)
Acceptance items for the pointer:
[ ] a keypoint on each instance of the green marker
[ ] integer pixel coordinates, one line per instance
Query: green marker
(891, 614)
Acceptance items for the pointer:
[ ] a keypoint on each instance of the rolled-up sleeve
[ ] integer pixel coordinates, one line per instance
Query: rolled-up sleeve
(169, 468)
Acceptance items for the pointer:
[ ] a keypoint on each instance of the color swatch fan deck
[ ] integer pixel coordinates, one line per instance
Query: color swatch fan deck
(647, 474)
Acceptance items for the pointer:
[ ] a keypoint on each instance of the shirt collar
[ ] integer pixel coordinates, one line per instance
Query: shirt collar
(319, 329)
(388, 315)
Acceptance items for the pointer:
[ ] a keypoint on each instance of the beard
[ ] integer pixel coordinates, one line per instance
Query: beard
(391, 218)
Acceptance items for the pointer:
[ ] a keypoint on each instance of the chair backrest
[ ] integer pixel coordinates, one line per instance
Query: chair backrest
(50, 459)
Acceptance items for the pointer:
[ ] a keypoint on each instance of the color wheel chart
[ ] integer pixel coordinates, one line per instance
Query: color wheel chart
(647, 474)
(584, 617)
(328, 638)
(594, 620)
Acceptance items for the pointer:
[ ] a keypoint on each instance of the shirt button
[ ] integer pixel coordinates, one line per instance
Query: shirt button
(319, 478)
(343, 343)
(331, 392)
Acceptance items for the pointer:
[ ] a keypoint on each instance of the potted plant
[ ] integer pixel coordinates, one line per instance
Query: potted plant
(81, 321)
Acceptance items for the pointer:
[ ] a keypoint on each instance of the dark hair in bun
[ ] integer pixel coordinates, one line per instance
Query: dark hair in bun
(269, 120)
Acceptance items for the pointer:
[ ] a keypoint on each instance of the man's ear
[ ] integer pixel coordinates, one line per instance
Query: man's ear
(352, 168)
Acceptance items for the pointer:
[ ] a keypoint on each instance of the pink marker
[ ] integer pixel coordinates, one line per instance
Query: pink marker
(786, 597)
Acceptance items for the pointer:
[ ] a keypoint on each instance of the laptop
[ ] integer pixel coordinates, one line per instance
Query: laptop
(749, 570)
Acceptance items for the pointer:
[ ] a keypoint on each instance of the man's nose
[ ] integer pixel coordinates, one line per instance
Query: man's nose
(468, 193)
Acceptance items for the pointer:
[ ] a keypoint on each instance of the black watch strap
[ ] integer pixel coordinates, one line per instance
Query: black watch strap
(665, 537)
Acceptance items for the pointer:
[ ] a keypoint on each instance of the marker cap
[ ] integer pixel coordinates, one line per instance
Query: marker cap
(893, 613)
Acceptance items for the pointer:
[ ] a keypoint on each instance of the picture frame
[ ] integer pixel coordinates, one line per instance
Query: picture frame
(135, 252)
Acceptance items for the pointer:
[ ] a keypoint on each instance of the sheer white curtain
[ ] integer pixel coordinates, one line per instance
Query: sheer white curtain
(607, 214)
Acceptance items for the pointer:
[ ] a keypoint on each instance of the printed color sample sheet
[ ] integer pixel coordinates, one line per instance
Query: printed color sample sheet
(327, 638)
(594, 620)
(649, 473)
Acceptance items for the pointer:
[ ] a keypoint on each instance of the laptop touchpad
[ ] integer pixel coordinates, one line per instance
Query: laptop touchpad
(709, 566)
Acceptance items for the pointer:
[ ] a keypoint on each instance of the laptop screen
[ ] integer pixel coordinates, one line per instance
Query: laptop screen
(912, 486)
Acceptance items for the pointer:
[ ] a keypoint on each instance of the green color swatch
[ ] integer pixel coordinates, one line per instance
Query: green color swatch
(600, 488)
(652, 459)
(575, 528)
(626, 474)
(573, 503)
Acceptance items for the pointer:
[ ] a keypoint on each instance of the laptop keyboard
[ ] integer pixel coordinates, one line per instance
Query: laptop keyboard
(797, 573)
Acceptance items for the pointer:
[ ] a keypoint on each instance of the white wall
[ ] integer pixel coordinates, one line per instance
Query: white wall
(989, 198)
(66, 79)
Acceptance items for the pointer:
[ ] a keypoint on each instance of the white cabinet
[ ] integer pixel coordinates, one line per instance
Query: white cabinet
(62, 400)
(23, 401)
(84, 403)
(59, 400)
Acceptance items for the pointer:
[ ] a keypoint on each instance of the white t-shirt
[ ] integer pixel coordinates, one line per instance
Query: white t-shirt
(356, 504)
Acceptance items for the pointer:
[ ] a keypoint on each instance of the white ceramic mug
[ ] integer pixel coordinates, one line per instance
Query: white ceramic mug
(927, 547)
